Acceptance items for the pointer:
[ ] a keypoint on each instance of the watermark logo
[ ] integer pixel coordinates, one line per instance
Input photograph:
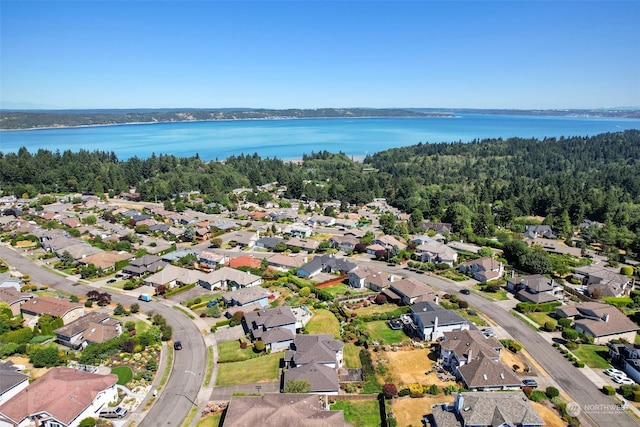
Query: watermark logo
(573, 409)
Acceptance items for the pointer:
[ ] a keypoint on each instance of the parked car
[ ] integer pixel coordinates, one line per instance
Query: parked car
(115, 412)
(177, 345)
(530, 383)
(111, 281)
(623, 380)
(145, 297)
(395, 324)
(612, 372)
(465, 291)
(213, 303)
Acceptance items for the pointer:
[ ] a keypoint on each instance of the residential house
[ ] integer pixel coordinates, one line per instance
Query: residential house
(601, 282)
(275, 327)
(177, 255)
(15, 299)
(12, 381)
(327, 263)
(431, 321)
(304, 244)
(106, 260)
(74, 334)
(276, 410)
(242, 239)
(319, 348)
(368, 277)
(211, 260)
(55, 307)
(438, 227)
(321, 221)
(486, 374)
(60, 398)
(436, 252)
(388, 242)
(243, 297)
(172, 276)
(535, 231)
(535, 289)
(268, 243)
(487, 409)
(408, 291)
(229, 278)
(298, 230)
(285, 263)
(460, 347)
(554, 246)
(321, 378)
(483, 269)
(344, 243)
(144, 265)
(603, 322)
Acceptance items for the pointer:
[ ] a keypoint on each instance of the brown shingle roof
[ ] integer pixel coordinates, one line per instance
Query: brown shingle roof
(48, 305)
(63, 393)
(277, 410)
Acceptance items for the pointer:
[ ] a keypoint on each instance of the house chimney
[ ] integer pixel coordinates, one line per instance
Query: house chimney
(606, 317)
(469, 356)
(435, 324)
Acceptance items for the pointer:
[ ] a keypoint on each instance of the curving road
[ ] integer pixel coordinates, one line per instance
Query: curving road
(181, 389)
(598, 409)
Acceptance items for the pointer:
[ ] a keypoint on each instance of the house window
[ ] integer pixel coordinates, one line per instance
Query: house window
(54, 424)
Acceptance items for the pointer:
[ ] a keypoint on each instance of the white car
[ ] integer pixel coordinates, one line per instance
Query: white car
(612, 372)
(623, 380)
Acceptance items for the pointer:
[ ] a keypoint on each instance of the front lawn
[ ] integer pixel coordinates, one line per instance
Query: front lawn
(375, 309)
(541, 318)
(260, 369)
(124, 373)
(594, 356)
(210, 421)
(473, 318)
(351, 354)
(230, 351)
(381, 332)
(338, 289)
(360, 413)
(500, 295)
(323, 322)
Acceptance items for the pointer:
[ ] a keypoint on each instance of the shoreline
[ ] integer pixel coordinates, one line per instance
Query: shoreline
(453, 116)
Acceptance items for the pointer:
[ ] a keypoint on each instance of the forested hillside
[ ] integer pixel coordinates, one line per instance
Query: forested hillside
(71, 118)
(476, 185)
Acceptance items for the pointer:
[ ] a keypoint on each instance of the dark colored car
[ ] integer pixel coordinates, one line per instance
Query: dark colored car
(465, 291)
(111, 281)
(177, 345)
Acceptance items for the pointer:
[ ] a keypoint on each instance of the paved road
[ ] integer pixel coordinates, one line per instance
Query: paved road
(181, 389)
(599, 409)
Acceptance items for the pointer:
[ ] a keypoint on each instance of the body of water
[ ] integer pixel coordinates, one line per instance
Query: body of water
(291, 138)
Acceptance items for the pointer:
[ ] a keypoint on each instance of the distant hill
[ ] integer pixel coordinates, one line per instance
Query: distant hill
(71, 118)
(621, 112)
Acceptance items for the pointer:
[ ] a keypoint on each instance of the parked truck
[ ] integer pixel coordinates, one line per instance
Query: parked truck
(145, 297)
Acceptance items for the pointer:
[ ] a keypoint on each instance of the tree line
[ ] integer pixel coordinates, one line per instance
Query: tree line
(476, 186)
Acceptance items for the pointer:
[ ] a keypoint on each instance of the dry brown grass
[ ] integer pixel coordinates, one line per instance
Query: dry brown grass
(410, 412)
(510, 358)
(33, 372)
(550, 416)
(407, 366)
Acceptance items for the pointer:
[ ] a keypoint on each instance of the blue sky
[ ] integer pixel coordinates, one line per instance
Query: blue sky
(312, 54)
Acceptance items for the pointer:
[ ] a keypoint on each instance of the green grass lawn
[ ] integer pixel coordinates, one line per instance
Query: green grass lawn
(124, 373)
(500, 295)
(475, 319)
(541, 318)
(212, 421)
(336, 290)
(323, 322)
(230, 351)
(382, 333)
(142, 326)
(264, 368)
(360, 413)
(594, 356)
(40, 339)
(351, 354)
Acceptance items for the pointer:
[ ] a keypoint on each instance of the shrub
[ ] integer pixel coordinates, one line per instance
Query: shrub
(87, 422)
(463, 304)
(552, 392)
(636, 396)
(88, 304)
(434, 389)
(389, 390)
(608, 390)
(537, 396)
(570, 334)
(579, 364)
(550, 325)
(258, 346)
(564, 323)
